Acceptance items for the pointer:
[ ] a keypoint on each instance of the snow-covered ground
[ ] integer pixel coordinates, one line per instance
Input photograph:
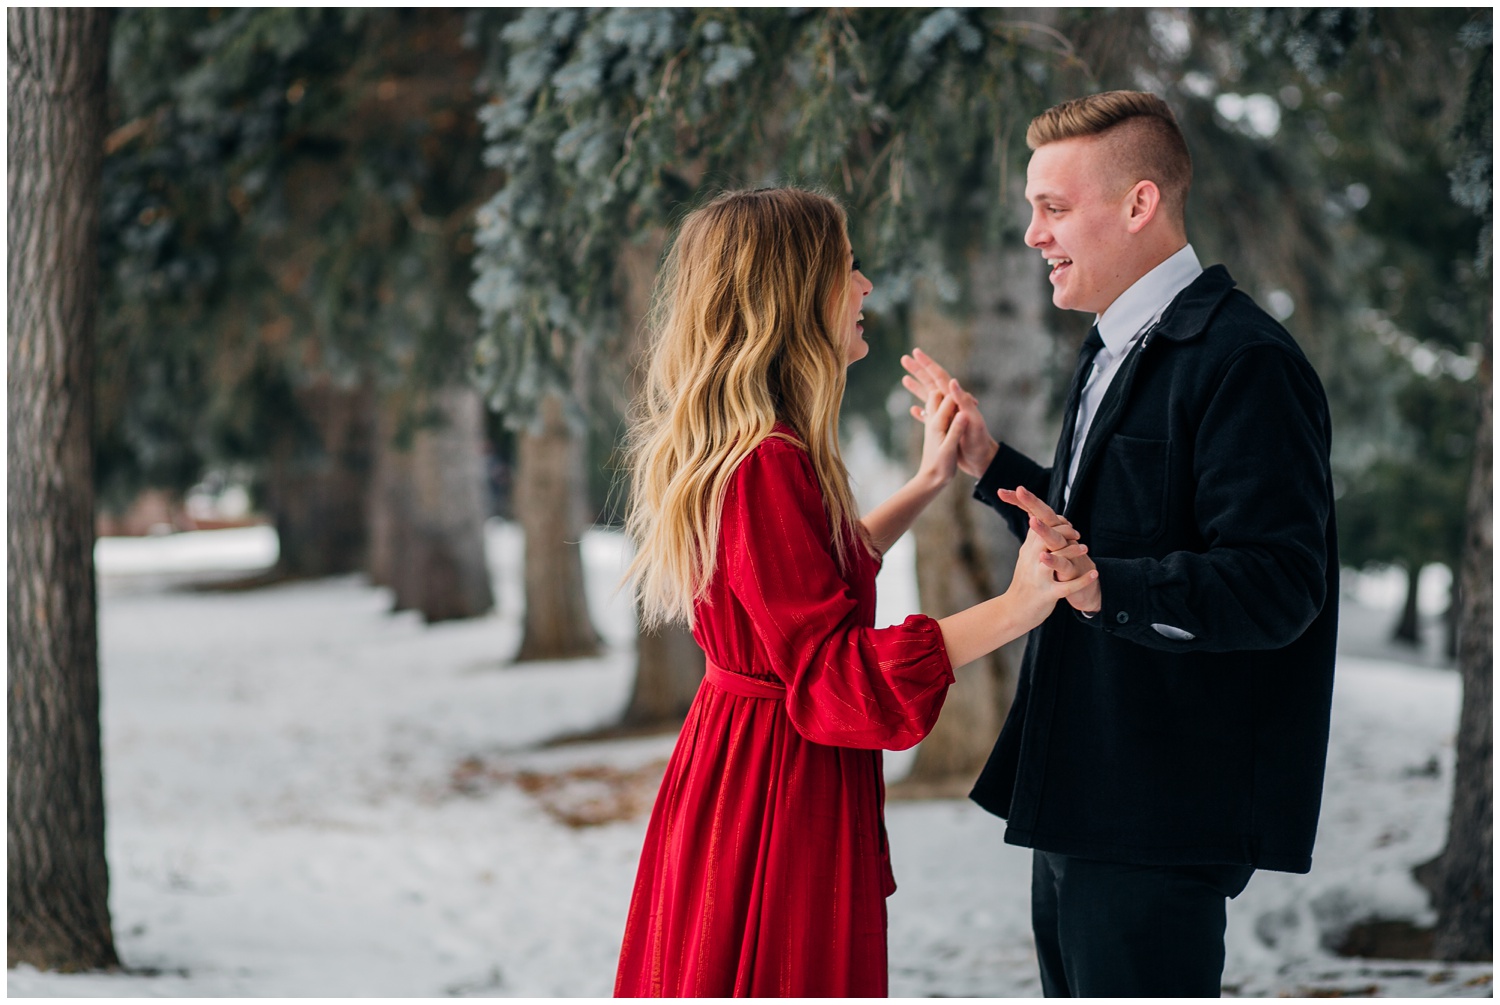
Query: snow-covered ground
(309, 796)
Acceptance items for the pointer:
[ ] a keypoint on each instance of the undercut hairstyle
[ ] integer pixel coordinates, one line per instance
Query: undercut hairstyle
(1144, 140)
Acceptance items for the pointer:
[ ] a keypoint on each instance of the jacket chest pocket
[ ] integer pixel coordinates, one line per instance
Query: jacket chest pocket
(1131, 498)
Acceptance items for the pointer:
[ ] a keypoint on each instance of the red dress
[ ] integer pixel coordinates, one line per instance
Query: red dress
(765, 868)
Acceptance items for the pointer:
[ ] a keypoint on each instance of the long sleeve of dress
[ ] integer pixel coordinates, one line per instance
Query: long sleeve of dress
(848, 684)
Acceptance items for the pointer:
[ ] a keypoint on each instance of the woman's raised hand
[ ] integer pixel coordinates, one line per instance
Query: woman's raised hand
(943, 430)
(924, 375)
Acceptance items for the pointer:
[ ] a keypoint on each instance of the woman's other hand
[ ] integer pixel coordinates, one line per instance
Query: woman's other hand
(1062, 554)
(1034, 585)
(943, 430)
(976, 448)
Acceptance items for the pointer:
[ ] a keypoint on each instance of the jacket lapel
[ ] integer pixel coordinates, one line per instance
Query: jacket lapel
(1110, 410)
(1059, 480)
(1184, 319)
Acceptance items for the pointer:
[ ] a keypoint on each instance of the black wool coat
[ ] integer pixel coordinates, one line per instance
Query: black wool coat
(1204, 495)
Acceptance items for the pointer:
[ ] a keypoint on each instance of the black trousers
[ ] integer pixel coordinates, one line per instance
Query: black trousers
(1107, 929)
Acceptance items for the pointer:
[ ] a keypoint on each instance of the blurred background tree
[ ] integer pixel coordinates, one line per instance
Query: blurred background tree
(288, 204)
(1416, 147)
(1415, 303)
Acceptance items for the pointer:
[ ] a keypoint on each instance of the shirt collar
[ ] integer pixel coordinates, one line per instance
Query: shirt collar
(1146, 298)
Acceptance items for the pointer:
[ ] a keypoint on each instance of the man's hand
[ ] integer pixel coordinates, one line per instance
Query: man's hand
(925, 377)
(1065, 557)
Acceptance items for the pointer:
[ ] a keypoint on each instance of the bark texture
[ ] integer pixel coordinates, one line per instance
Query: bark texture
(668, 671)
(427, 509)
(1461, 879)
(964, 553)
(549, 504)
(319, 479)
(57, 878)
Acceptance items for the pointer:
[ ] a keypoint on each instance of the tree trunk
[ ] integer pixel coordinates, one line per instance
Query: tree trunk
(1462, 877)
(427, 509)
(549, 502)
(965, 554)
(319, 479)
(1409, 626)
(391, 505)
(58, 881)
(668, 672)
(1453, 616)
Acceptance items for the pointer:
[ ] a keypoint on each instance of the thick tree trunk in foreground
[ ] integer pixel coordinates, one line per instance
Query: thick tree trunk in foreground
(1461, 879)
(319, 479)
(549, 505)
(57, 879)
(427, 509)
(965, 554)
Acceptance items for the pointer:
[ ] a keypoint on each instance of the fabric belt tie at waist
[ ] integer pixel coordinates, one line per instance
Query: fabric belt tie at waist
(744, 687)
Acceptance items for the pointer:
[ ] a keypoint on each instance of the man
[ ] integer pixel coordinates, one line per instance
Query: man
(1169, 733)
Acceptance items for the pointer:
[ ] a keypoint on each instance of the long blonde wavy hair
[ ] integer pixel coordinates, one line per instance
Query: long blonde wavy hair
(747, 328)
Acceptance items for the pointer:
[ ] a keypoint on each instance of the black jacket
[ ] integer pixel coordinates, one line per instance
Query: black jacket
(1205, 498)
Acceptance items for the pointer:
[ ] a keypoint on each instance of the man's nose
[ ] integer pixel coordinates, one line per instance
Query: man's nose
(1035, 233)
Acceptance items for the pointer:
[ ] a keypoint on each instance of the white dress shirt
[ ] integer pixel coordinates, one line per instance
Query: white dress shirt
(1120, 327)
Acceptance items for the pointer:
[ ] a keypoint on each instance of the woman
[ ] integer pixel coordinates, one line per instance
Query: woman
(765, 868)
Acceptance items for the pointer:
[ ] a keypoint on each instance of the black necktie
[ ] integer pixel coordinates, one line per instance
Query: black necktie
(1063, 458)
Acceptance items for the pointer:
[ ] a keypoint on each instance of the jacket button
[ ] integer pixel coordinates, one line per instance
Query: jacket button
(1122, 617)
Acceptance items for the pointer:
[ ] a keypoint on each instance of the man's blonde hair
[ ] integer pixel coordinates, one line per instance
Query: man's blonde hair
(1141, 131)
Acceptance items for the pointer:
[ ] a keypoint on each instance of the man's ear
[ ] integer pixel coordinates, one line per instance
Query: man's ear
(1141, 205)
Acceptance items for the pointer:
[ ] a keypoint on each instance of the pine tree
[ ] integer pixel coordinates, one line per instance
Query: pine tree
(289, 196)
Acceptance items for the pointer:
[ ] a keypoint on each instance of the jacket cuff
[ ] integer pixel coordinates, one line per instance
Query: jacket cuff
(1095, 620)
(1125, 597)
(1125, 610)
(1008, 469)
